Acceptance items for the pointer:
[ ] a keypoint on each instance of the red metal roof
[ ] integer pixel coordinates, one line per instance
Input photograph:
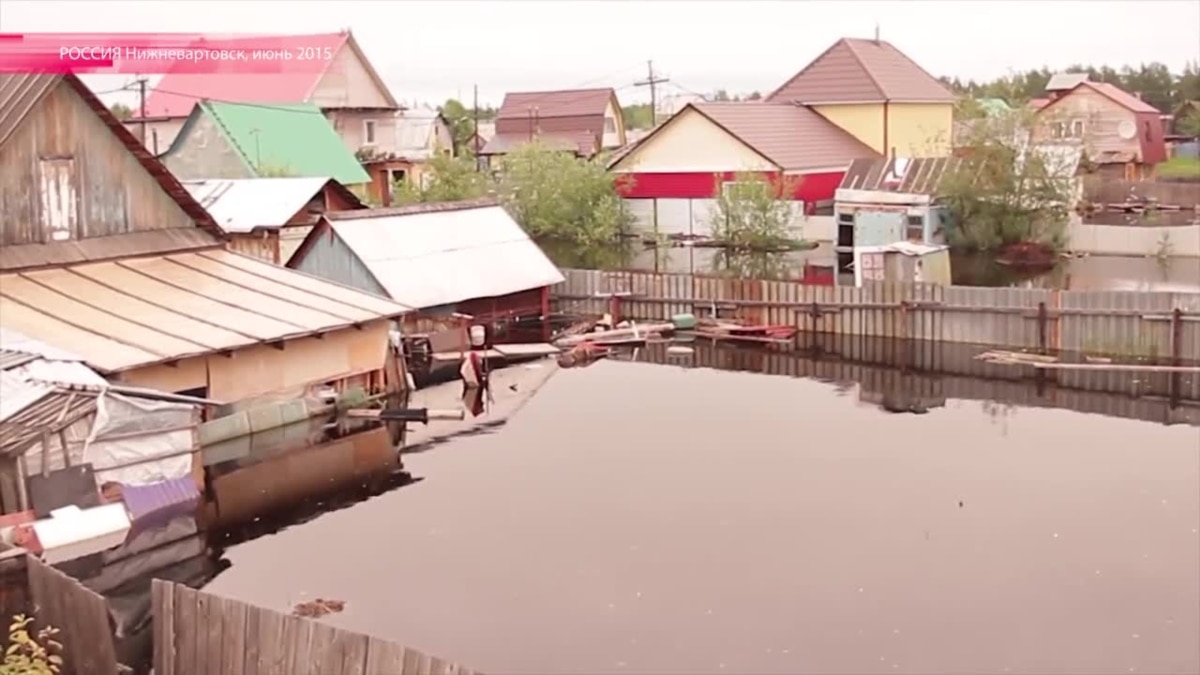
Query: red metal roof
(862, 71)
(792, 137)
(550, 104)
(177, 92)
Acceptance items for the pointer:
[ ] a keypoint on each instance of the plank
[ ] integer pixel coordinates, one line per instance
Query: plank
(297, 635)
(200, 637)
(162, 595)
(272, 655)
(322, 650)
(384, 658)
(252, 641)
(412, 661)
(186, 625)
(233, 640)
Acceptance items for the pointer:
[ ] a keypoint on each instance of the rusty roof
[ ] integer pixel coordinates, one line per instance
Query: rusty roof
(919, 175)
(134, 312)
(95, 249)
(563, 103)
(792, 137)
(20, 93)
(862, 71)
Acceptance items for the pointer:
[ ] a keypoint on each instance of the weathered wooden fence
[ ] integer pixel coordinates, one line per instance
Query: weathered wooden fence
(200, 634)
(55, 599)
(1148, 324)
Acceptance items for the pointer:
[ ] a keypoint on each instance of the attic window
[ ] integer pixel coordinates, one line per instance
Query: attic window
(610, 125)
(369, 132)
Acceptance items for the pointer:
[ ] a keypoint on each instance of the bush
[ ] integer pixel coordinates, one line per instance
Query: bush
(27, 654)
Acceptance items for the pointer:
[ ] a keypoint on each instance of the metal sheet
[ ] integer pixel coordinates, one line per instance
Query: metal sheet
(241, 205)
(444, 257)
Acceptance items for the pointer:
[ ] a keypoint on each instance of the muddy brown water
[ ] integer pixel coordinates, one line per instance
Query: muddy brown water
(636, 518)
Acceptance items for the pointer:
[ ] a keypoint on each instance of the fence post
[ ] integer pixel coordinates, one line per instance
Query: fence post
(1042, 320)
(1176, 385)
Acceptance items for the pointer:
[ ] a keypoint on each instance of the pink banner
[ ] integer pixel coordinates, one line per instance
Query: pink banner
(153, 53)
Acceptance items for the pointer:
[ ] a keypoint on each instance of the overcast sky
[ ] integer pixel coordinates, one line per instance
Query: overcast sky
(431, 50)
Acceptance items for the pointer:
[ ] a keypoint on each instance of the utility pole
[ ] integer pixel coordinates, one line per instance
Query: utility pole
(652, 81)
(475, 115)
(141, 82)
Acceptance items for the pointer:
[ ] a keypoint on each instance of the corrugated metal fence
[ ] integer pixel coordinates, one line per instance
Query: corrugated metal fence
(1148, 324)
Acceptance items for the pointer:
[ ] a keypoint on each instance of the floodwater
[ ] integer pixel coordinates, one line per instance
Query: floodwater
(1091, 273)
(639, 518)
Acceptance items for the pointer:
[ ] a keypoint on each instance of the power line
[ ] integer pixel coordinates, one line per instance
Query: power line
(652, 81)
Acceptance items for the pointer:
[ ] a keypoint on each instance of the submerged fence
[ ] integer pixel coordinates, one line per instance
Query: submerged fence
(197, 634)
(1145, 324)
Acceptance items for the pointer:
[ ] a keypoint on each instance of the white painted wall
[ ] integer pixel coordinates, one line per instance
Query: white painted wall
(612, 118)
(1182, 240)
(690, 143)
(694, 217)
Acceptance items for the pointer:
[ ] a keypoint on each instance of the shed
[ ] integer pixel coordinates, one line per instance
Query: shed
(267, 218)
(462, 257)
(902, 262)
(56, 413)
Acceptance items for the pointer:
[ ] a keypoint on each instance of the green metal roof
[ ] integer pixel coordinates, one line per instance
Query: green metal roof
(287, 139)
(994, 106)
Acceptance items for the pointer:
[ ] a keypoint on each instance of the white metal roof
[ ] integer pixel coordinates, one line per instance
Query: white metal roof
(26, 384)
(241, 205)
(1064, 81)
(442, 257)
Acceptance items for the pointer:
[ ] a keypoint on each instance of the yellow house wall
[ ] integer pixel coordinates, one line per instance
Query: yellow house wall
(262, 369)
(920, 129)
(864, 121)
(690, 143)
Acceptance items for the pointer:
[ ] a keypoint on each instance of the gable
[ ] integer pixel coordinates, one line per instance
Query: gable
(350, 82)
(862, 71)
(73, 172)
(691, 143)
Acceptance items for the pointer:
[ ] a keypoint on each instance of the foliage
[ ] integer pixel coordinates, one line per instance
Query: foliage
(1190, 124)
(274, 171)
(26, 654)
(555, 195)
(753, 265)
(1187, 168)
(638, 116)
(461, 120)
(1154, 81)
(752, 211)
(1006, 193)
(968, 108)
(121, 111)
(723, 95)
(615, 255)
(445, 179)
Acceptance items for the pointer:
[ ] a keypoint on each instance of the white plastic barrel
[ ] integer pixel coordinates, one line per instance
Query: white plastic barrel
(478, 335)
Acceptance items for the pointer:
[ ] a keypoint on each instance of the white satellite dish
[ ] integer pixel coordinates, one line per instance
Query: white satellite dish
(1127, 129)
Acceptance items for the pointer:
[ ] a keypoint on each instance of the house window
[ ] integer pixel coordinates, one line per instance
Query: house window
(915, 228)
(610, 125)
(59, 210)
(1077, 129)
(1071, 129)
(369, 132)
(846, 218)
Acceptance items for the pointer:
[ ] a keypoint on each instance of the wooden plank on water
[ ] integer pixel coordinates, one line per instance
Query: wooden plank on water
(162, 602)
(384, 658)
(233, 642)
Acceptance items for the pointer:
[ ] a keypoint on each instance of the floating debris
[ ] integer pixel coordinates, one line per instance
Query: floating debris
(318, 608)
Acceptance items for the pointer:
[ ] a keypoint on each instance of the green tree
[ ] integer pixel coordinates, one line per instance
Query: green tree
(638, 116)
(445, 179)
(556, 195)
(753, 211)
(121, 111)
(1190, 125)
(1007, 192)
(31, 654)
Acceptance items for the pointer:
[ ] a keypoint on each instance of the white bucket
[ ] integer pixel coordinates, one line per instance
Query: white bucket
(478, 335)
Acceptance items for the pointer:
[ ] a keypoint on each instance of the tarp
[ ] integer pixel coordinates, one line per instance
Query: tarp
(137, 441)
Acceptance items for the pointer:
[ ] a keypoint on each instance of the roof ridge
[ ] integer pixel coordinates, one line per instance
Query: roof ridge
(208, 107)
(918, 66)
(803, 70)
(866, 69)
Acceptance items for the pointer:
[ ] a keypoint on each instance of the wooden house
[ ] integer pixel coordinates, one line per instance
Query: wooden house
(581, 121)
(267, 218)
(106, 255)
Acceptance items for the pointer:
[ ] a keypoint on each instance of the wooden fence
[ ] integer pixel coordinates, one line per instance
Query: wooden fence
(1100, 190)
(1147, 324)
(200, 634)
(55, 599)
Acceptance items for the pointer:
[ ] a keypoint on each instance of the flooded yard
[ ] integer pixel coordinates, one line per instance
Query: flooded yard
(640, 518)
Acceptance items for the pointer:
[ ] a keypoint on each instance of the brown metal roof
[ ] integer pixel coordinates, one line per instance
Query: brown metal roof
(920, 175)
(793, 137)
(862, 71)
(20, 93)
(129, 313)
(27, 256)
(551, 104)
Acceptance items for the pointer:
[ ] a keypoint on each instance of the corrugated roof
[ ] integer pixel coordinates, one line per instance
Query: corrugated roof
(18, 393)
(294, 137)
(243, 205)
(129, 313)
(36, 361)
(917, 175)
(428, 257)
(1122, 97)
(178, 92)
(28, 409)
(862, 71)
(21, 92)
(159, 503)
(791, 136)
(416, 132)
(562, 103)
(150, 242)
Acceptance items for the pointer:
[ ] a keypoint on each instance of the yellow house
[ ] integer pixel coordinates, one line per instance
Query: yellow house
(877, 94)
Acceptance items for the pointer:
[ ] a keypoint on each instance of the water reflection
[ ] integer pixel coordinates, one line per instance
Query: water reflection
(753, 265)
(1092, 273)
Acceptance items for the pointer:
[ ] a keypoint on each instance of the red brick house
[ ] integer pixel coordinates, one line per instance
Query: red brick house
(582, 121)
